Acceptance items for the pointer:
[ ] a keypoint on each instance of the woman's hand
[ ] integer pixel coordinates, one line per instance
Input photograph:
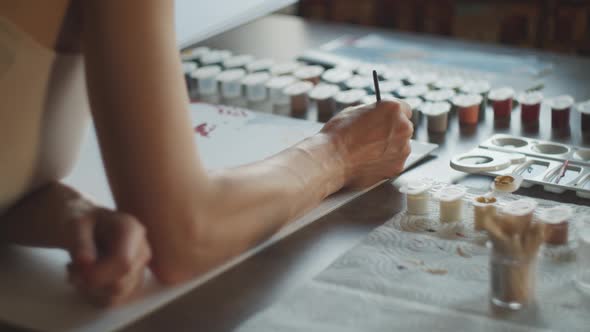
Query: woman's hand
(373, 140)
(109, 253)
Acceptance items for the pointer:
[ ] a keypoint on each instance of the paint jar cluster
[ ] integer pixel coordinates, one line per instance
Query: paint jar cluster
(512, 277)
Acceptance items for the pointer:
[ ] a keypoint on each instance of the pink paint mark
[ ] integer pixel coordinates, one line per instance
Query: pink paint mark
(204, 129)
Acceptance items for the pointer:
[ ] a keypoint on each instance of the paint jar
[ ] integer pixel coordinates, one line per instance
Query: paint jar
(584, 109)
(309, 73)
(556, 224)
(530, 109)
(520, 213)
(349, 98)
(484, 207)
(583, 260)
(358, 82)
(281, 104)
(451, 203)
(417, 196)
(415, 104)
(437, 115)
(560, 112)
(386, 87)
(259, 65)
(256, 92)
(285, 68)
(298, 96)
(336, 76)
(513, 280)
(426, 78)
(230, 85)
(215, 57)
(481, 88)
(194, 54)
(207, 88)
(452, 82)
(396, 74)
(323, 97)
(439, 95)
(468, 108)
(502, 102)
(366, 69)
(411, 91)
(191, 84)
(237, 61)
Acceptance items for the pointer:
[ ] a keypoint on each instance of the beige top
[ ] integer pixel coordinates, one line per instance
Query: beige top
(43, 116)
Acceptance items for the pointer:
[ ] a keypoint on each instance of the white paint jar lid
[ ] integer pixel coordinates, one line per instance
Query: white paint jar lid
(359, 82)
(452, 82)
(439, 95)
(214, 57)
(413, 102)
(237, 61)
(350, 96)
(467, 100)
(422, 78)
(308, 72)
(451, 193)
(500, 94)
(584, 107)
(556, 215)
(520, 207)
(530, 98)
(259, 65)
(336, 75)
(412, 91)
(188, 67)
(285, 68)
(435, 109)
(387, 86)
(324, 91)
(476, 87)
(417, 187)
(562, 102)
(298, 88)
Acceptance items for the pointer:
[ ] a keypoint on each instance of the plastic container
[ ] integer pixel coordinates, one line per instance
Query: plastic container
(560, 112)
(521, 213)
(584, 110)
(483, 207)
(323, 96)
(513, 280)
(298, 96)
(415, 104)
(437, 115)
(417, 196)
(502, 102)
(281, 104)
(468, 108)
(230, 84)
(349, 98)
(451, 203)
(309, 73)
(556, 222)
(256, 92)
(481, 88)
(207, 88)
(530, 109)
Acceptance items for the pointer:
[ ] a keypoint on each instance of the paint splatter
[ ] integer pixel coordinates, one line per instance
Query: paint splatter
(438, 272)
(204, 129)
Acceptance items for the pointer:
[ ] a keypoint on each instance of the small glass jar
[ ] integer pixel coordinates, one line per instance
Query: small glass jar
(583, 260)
(512, 280)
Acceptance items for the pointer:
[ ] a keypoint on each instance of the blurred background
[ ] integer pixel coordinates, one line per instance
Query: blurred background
(560, 26)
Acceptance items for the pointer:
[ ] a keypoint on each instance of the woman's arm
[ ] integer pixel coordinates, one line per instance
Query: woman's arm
(196, 220)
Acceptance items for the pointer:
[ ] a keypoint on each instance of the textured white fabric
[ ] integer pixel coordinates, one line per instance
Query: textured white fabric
(415, 274)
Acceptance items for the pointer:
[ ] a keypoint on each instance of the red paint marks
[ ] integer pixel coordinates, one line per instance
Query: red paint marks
(204, 129)
(235, 112)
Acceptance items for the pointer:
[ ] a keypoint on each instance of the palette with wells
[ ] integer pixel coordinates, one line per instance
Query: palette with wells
(557, 167)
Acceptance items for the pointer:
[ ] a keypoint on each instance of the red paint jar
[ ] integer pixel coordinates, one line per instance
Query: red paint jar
(530, 108)
(468, 108)
(560, 112)
(584, 109)
(502, 102)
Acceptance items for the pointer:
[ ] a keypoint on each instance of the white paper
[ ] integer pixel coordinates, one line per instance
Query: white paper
(33, 289)
(197, 20)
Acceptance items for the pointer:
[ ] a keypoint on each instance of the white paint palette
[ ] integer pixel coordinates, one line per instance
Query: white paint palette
(557, 167)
